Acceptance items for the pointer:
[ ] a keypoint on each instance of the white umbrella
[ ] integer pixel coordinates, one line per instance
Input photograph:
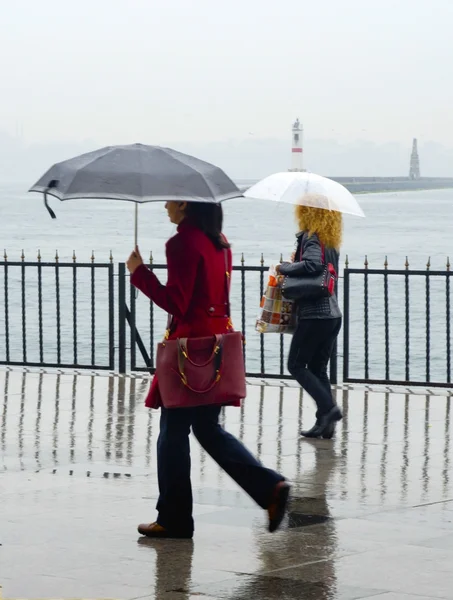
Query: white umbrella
(306, 189)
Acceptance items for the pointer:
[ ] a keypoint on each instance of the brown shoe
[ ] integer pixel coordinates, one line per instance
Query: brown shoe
(154, 530)
(151, 530)
(277, 508)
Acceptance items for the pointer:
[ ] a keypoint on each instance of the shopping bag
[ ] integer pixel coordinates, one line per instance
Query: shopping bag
(276, 313)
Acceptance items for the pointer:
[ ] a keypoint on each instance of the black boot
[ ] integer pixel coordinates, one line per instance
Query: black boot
(313, 432)
(325, 425)
(329, 431)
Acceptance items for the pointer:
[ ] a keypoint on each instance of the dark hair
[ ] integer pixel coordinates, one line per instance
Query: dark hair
(209, 218)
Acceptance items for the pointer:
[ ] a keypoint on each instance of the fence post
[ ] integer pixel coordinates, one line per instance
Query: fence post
(111, 285)
(346, 323)
(122, 317)
(131, 318)
(334, 358)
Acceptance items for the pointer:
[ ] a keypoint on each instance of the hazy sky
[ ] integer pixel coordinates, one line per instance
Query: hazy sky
(161, 71)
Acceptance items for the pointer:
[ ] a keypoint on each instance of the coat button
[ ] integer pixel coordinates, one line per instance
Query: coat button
(212, 309)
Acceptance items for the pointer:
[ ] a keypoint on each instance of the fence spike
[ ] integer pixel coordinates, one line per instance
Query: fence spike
(262, 259)
(366, 261)
(242, 259)
(22, 256)
(346, 262)
(5, 255)
(428, 264)
(281, 258)
(92, 256)
(39, 255)
(406, 264)
(111, 256)
(56, 256)
(151, 258)
(73, 256)
(448, 263)
(386, 263)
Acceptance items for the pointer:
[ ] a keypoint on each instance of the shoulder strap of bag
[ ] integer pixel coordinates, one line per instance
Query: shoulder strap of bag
(227, 284)
(323, 257)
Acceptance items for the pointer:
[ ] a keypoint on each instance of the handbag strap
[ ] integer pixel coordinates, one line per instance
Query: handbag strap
(227, 284)
(183, 347)
(216, 359)
(323, 255)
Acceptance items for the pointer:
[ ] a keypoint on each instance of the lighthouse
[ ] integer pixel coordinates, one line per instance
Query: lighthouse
(414, 171)
(297, 147)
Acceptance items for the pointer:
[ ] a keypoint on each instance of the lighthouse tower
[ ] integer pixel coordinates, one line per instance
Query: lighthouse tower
(297, 147)
(414, 171)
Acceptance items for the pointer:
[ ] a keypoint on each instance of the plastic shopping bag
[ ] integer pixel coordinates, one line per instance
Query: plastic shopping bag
(276, 314)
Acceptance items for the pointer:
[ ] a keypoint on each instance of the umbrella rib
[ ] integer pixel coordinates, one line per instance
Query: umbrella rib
(195, 169)
(95, 160)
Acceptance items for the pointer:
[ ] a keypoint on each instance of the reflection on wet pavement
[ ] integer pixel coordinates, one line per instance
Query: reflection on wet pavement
(371, 513)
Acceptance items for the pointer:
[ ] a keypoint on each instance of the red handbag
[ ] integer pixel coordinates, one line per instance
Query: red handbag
(202, 371)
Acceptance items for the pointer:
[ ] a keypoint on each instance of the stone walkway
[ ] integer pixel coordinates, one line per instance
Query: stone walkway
(371, 514)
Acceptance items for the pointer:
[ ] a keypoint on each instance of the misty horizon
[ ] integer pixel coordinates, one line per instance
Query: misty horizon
(225, 82)
(246, 159)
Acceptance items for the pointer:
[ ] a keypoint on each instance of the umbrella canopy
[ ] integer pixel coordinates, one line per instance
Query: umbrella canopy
(306, 189)
(137, 173)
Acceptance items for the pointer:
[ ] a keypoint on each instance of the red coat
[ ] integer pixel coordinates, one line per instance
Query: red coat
(195, 293)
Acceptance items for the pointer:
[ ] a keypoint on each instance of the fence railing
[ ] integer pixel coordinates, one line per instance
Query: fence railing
(57, 314)
(396, 328)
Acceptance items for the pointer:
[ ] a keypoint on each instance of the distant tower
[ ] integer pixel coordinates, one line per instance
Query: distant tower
(414, 172)
(297, 147)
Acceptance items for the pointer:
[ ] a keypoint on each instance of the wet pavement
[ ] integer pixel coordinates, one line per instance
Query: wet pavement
(371, 514)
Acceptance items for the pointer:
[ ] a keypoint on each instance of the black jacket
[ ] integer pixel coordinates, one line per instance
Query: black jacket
(310, 250)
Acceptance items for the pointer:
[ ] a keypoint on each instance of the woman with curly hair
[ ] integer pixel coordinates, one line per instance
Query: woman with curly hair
(318, 319)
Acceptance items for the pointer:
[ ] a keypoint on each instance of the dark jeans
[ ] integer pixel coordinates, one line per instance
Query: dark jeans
(309, 355)
(173, 464)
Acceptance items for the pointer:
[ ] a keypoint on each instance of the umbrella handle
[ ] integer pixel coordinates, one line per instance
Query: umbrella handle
(136, 225)
(46, 204)
(136, 235)
(53, 183)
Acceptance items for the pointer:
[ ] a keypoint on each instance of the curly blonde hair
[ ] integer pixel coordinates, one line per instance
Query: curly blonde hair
(327, 224)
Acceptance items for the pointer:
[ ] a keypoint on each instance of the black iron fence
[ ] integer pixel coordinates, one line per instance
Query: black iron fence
(57, 314)
(396, 330)
(397, 326)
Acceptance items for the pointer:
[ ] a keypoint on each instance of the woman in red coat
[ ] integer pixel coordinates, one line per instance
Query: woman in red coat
(195, 297)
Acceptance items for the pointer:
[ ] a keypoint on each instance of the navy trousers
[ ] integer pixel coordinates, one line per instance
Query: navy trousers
(173, 464)
(309, 354)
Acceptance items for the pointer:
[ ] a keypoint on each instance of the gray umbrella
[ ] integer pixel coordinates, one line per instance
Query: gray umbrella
(137, 173)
